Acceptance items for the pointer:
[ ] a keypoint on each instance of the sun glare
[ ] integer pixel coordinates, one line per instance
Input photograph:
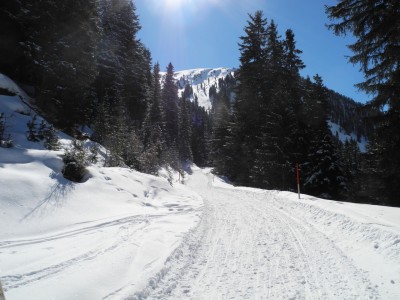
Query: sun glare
(178, 4)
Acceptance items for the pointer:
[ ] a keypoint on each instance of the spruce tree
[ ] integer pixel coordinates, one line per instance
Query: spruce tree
(170, 104)
(184, 131)
(61, 39)
(375, 24)
(251, 100)
(323, 172)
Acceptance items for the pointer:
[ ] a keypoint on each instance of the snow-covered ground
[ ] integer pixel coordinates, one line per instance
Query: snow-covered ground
(126, 235)
(257, 244)
(201, 80)
(101, 239)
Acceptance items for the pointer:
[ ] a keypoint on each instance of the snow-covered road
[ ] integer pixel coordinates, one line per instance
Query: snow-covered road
(250, 244)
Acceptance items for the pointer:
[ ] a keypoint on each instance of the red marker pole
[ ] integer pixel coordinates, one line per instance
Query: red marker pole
(298, 178)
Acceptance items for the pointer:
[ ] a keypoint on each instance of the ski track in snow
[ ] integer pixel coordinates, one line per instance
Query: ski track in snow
(120, 228)
(247, 246)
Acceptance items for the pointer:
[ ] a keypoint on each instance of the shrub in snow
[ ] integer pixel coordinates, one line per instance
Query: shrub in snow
(5, 140)
(32, 134)
(75, 162)
(50, 138)
(45, 133)
(93, 154)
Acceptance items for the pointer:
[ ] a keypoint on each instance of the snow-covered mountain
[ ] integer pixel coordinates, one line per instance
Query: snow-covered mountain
(201, 80)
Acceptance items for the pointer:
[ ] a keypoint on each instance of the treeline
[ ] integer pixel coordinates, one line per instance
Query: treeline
(84, 65)
(276, 118)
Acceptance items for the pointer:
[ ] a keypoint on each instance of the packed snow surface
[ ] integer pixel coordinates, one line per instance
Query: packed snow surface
(258, 244)
(126, 235)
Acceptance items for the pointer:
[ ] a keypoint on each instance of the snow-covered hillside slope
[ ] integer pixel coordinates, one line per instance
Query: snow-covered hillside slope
(336, 129)
(201, 80)
(101, 239)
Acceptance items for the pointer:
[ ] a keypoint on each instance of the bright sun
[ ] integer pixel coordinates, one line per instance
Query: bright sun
(178, 4)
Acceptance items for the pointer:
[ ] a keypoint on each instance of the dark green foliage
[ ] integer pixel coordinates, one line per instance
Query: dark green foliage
(184, 131)
(324, 174)
(170, 102)
(45, 133)
(50, 138)
(201, 127)
(376, 26)
(5, 140)
(153, 129)
(32, 134)
(61, 41)
(75, 162)
(278, 119)
(2, 126)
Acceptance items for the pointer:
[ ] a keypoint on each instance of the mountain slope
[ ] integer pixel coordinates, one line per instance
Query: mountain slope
(100, 239)
(201, 80)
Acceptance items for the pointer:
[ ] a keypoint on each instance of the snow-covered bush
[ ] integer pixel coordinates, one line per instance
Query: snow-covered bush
(32, 134)
(45, 133)
(75, 162)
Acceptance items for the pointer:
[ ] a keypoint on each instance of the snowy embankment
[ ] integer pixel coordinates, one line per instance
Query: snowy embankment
(101, 239)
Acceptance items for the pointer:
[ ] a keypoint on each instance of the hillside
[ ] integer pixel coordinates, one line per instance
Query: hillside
(103, 238)
(201, 80)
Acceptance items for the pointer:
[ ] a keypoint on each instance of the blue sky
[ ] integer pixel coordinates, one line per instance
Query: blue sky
(205, 33)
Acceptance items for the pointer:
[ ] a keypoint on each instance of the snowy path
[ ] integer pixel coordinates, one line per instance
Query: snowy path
(247, 246)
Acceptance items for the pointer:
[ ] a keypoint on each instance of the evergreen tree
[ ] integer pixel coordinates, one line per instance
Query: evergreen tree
(375, 24)
(184, 131)
(251, 100)
(61, 40)
(324, 175)
(220, 133)
(170, 106)
(201, 128)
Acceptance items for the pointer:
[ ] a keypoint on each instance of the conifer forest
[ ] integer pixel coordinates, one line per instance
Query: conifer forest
(84, 66)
